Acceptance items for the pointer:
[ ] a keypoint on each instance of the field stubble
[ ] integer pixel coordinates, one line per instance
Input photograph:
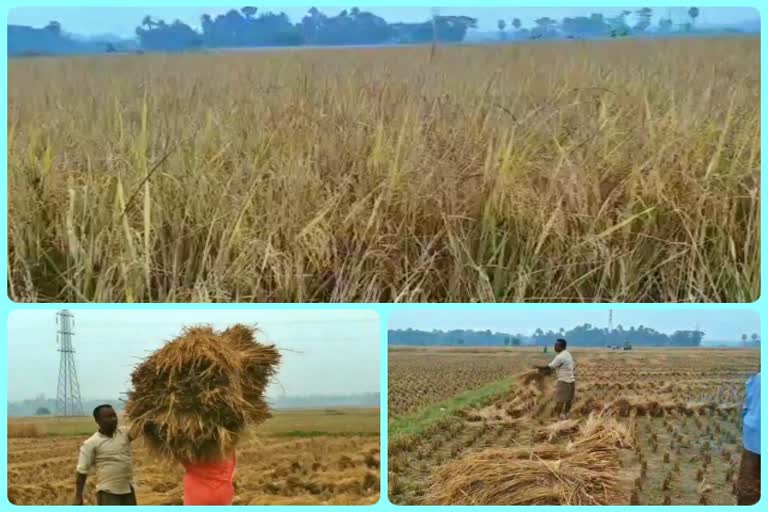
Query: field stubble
(682, 407)
(617, 171)
(277, 465)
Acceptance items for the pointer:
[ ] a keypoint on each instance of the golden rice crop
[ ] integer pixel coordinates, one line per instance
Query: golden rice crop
(595, 171)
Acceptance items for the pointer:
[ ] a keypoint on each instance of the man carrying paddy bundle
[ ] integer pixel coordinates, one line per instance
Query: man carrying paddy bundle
(748, 487)
(194, 398)
(109, 451)
(564, 367)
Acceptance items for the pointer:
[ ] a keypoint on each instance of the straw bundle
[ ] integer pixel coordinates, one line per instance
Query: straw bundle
(259, 363)
(601, 432)
(584, 472)
(557, 430)
(522, 477)
(193, 398)
(535, 376)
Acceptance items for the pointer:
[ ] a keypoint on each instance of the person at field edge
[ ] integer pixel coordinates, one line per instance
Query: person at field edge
(748, 486)
(109, 452)
(210, 483)
(564, 367)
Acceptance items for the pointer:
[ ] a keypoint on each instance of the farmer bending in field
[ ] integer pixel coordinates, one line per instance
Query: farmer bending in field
(565, 389)
(748, 486)
(109, 451)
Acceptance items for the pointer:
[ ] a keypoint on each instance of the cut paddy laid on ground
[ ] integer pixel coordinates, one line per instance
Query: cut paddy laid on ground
(680, 409)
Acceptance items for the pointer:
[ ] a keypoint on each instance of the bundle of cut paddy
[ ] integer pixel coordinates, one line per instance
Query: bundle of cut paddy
(514, 477)
(601, 432)
(537, 376)
(557, 430)
(193, 398)
(259, 362)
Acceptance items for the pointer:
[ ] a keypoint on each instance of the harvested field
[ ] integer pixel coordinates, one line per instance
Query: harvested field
(618, 171)
(418, 378)
(318, 461)
(679, 411)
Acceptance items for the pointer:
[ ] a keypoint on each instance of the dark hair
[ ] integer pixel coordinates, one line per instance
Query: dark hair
(98, 409)
(561, 340)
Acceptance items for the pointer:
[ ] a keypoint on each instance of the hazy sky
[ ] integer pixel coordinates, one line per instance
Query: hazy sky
(718, 325)
(323, 351)
(123, 20)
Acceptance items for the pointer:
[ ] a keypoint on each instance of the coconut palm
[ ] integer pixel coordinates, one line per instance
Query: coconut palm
(693, 12)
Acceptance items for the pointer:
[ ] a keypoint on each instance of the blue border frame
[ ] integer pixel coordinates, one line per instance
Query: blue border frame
(383, 310)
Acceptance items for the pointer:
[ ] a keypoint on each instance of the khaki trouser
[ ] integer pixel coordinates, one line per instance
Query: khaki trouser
(109, 499)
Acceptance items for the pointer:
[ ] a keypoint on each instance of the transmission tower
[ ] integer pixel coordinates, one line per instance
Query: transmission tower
(68, 401)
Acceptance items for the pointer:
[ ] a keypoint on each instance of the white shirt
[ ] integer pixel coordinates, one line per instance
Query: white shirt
(112, 458)
(564, 366)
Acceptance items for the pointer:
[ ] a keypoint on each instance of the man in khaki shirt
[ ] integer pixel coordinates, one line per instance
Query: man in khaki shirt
(109, 452)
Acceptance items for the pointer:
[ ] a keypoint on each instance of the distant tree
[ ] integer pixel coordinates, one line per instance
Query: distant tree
(249, 12)
(619, 26)
(54, 27)
(755, 337)
(506, 342)
(461, 342)
(693, 13)
(147, 22)
(42, 411)
(516, 342)
(545, 27)
(594, 25)
(110, 48)
(744, 338)
(644, 16)
(517, 23)
(502, 26)
(665, 24)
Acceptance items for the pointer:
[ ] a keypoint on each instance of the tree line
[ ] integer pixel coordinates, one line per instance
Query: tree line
(248, 27)
(585, 335)
(251, 27)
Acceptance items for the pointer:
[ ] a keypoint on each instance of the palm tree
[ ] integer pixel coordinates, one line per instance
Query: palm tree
(755, 337)
(744, 339)
(517, 23)
(147, 22)
(502, 25)
(693, 12)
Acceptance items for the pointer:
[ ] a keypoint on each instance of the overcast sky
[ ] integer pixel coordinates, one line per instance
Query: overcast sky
(324, 351)
(720, 325)
(123, 20)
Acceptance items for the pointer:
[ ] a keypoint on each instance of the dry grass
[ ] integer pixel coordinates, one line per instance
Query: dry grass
(24, 430)
(621, 171)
